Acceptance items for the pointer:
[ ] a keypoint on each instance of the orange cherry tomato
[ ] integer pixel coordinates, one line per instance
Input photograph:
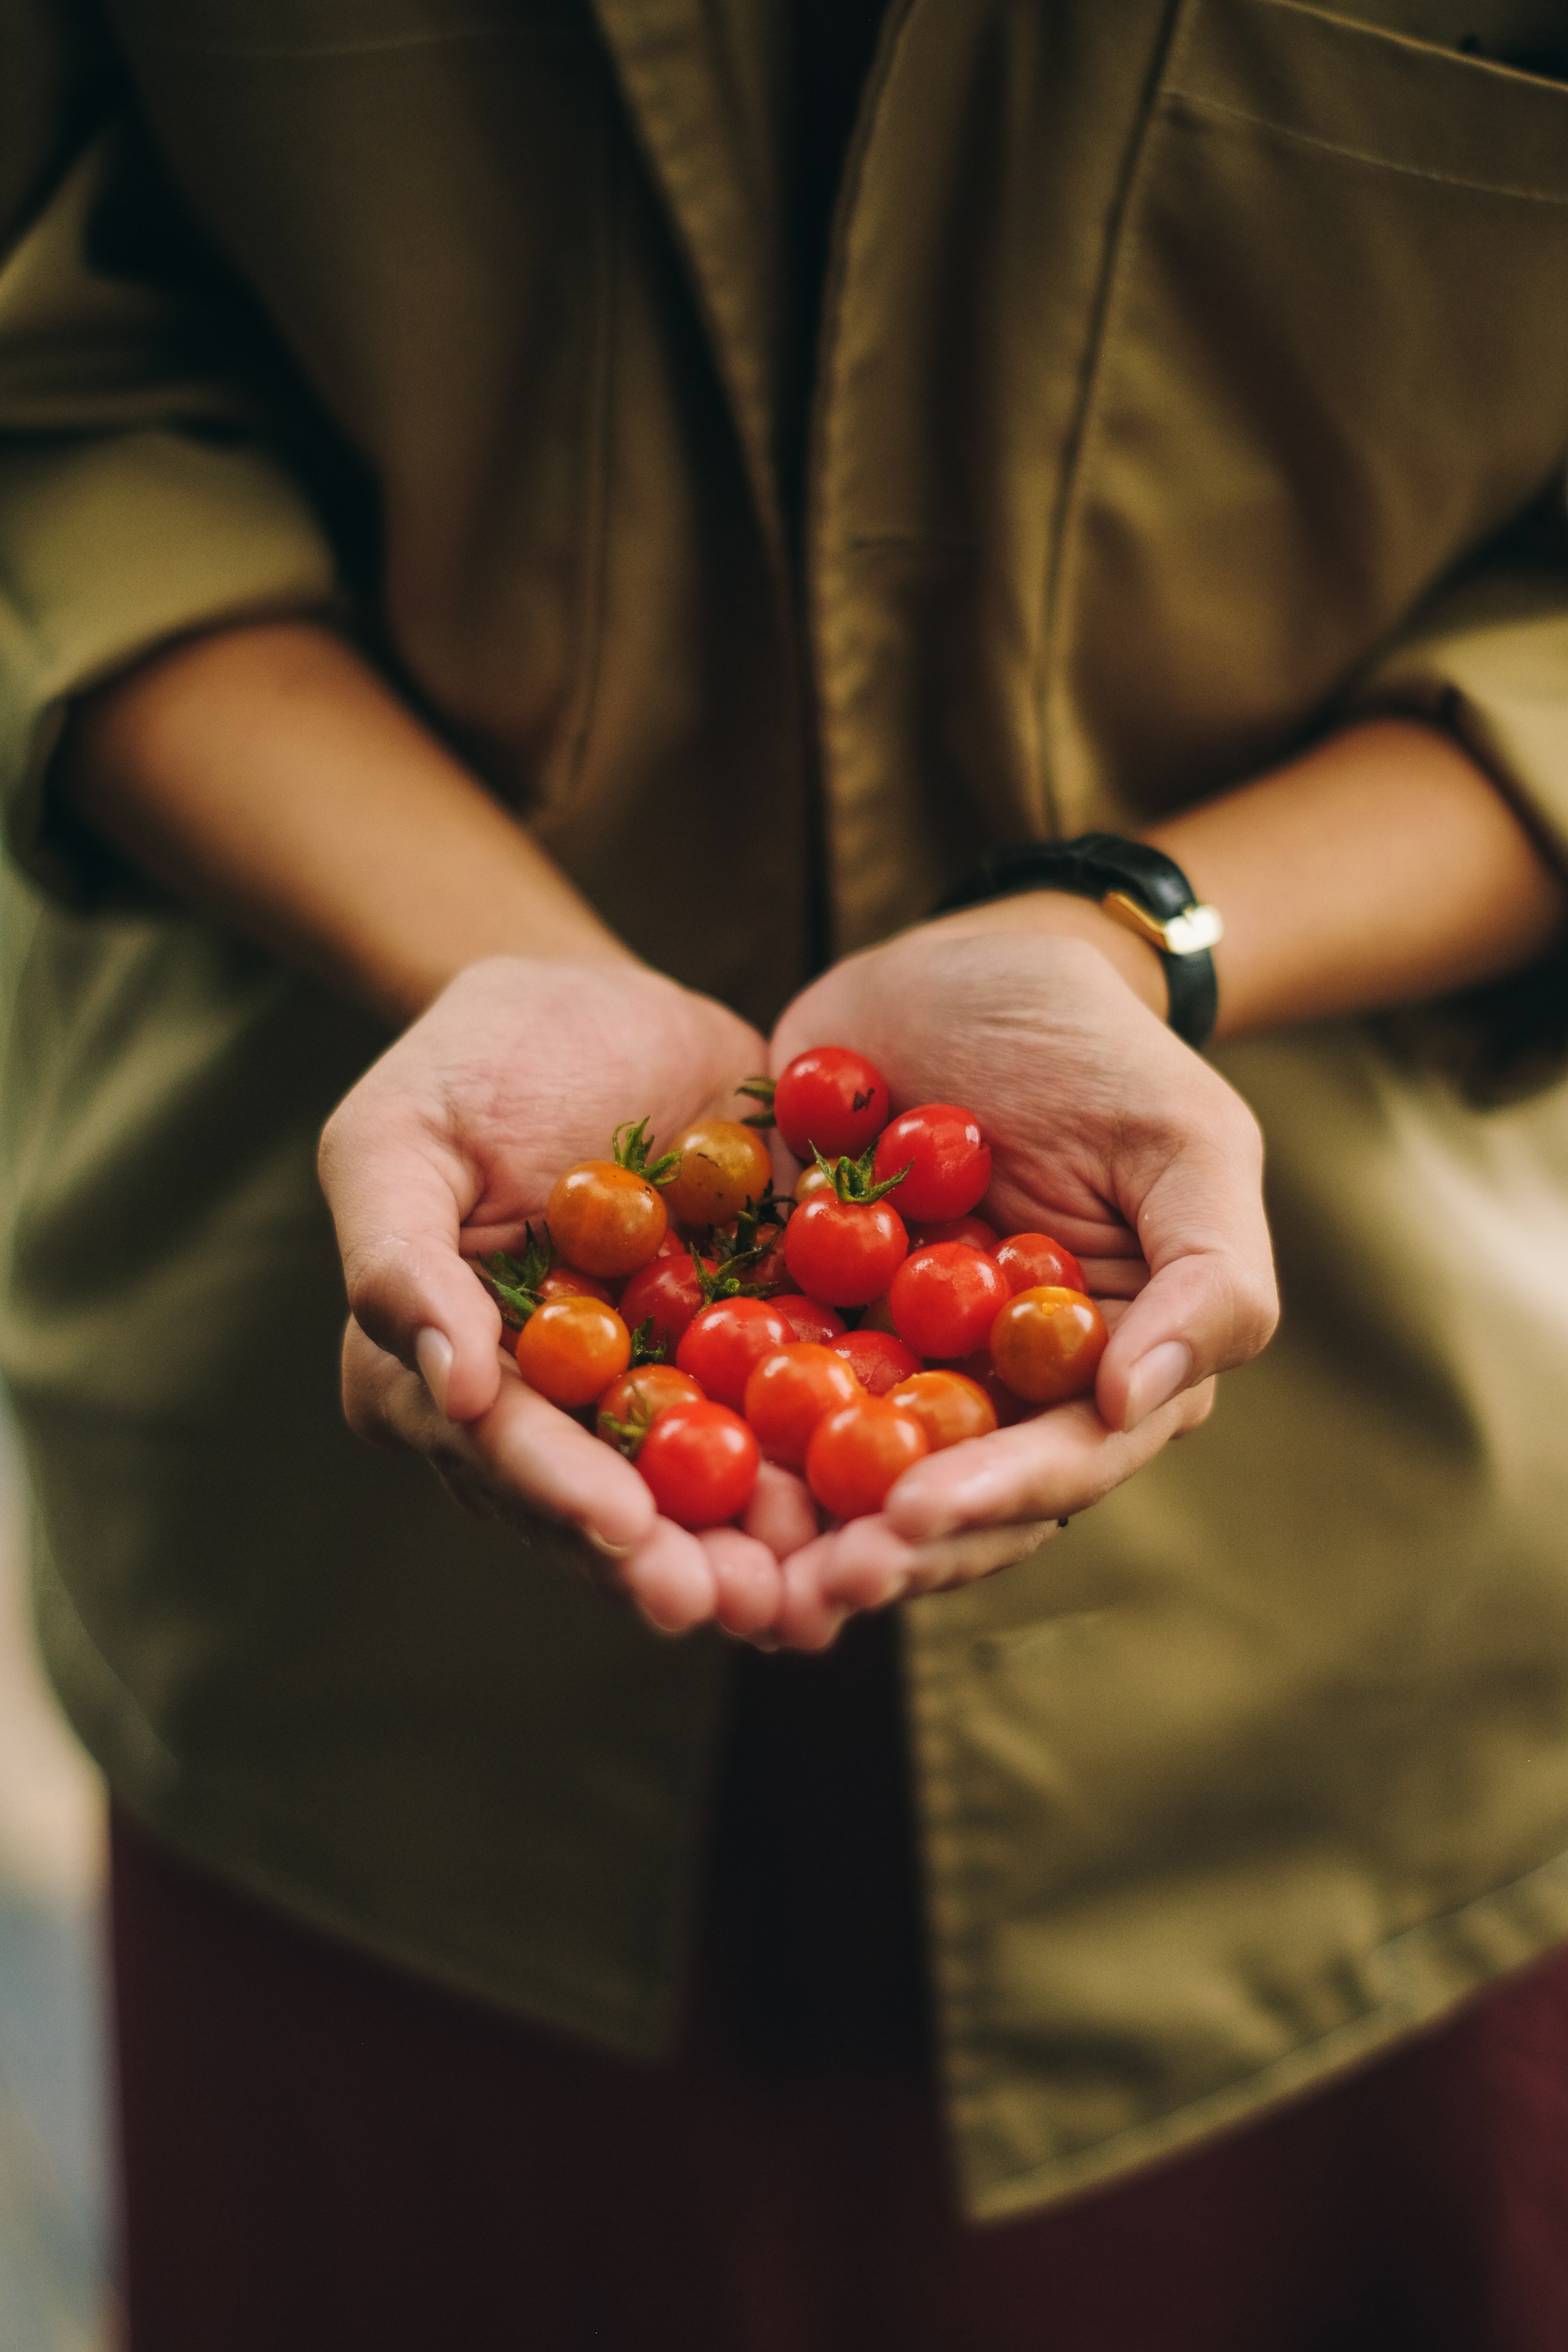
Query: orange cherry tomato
(814, 1179)
(948, 1405)
(1034, 1262)
(604, 1219)
(1047, 1343)
(856, 1452)
(570, 1350)
(723, 1166)
(788, 1393)
(631, 1405)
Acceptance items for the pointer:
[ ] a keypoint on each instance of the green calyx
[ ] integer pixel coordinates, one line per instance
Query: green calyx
(645, 1348)
(736, 1255)
(513, 1283)
(852, 1179)
(629, 1149)
(760, 1090)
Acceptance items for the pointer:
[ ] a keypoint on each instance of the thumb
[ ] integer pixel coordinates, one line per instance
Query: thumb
(1211, 1299)
(398, 1214)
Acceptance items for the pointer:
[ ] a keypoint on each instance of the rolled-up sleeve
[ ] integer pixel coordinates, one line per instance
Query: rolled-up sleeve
(142, 494)
(1488, 661)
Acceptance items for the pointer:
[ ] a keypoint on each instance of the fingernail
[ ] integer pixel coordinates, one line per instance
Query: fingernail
(1157, 1377)
(604, 1546)
(433, 1354)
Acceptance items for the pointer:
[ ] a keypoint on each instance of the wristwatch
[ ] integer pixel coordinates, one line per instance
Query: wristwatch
(1137, 887)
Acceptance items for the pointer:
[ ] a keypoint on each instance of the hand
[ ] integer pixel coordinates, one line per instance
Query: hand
(1107, 1133)
(440, 1154)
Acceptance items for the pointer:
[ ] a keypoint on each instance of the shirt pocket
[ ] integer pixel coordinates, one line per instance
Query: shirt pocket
(1333, 364)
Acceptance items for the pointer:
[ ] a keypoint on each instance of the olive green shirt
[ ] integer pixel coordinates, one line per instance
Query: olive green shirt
(1189, 377)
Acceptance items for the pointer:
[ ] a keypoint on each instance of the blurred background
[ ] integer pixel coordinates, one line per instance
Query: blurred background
(54, 2205)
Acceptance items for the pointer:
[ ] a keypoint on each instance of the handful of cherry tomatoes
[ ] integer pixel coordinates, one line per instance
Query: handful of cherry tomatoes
(703, 1321)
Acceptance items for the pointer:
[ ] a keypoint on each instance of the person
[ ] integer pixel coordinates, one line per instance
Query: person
(557, 539)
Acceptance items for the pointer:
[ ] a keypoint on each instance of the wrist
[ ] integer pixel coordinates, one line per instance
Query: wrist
(1063, 915)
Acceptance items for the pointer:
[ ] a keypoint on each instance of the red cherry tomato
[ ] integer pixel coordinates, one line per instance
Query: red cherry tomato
(807, 1317)
(570, 1350)
(878, 1359)
(667, 1291)
(948, 1405)
(845, 1253)
(720, 1345)
(789, 1392)
(946, 1299)
(630, 1405)
(565, 1282)
(605, 1219)
(1007, 1408)
(701, 1462)
(1046, 1344)
(723, 1165)
(856, 1452)
(1032, 1261)
(972, 1229)
(949, 1161)
(830, 1099)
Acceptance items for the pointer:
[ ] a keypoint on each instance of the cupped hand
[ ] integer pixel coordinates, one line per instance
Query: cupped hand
(443, 1150)
(1107, 1133)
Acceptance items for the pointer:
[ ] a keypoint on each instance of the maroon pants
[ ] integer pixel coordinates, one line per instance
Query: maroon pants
(318, 2152)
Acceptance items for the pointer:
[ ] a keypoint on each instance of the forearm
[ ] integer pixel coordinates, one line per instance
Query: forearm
(1384, 867)
(267, 775)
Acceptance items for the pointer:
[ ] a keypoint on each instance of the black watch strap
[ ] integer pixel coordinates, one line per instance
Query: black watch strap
(1136, 885)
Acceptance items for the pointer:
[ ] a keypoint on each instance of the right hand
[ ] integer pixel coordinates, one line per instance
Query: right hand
(440, 1154)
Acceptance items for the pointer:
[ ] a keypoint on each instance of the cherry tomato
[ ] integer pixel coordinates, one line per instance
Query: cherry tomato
(723, 1166)
(856, 1452)
(972, 1229)
(807, 1317)
(789, 1392)
(830, 1099)
(878, 1359)
(637, 1397)
(816, 1178)
(565, 1282)
(946, 1299)
(1007, 1408)
(947, 1158)
(1032, 1261)
(700, 1461)
(604, 1218)
(668, 1290)
(948, 1405)
(879, 1315)
(1048, 1342)
(570, 1350)
(772, 1271)
(845, 1253)
(720, 1345)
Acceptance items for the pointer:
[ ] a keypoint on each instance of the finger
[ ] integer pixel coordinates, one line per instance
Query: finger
(1049, 1467)
(398, 1199)
(748, 1586)
(806, 1619)
(780, 1513)
(950, 1560)
(670, 1579)
(527, 1457)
